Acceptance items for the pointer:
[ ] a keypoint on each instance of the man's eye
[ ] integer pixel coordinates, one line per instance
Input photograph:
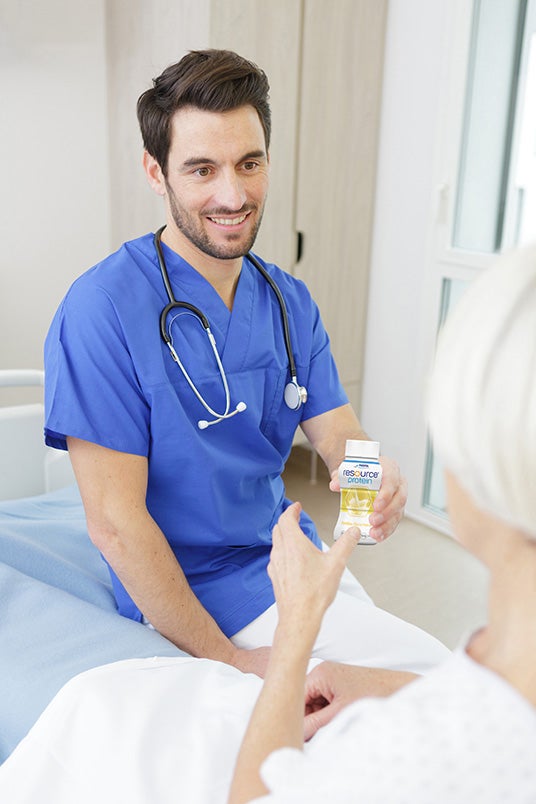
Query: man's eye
(202, 171)
(250, 165)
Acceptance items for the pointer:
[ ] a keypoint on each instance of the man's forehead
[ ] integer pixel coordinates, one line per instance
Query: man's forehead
(192, 127)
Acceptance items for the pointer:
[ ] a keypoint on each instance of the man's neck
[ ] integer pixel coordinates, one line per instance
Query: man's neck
(222, 274)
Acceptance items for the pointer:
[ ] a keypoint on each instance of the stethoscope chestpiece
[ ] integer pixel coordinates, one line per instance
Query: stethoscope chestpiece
(295, 394)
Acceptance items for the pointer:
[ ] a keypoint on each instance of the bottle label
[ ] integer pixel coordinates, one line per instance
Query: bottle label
(356, 506)
(360, 481)
(357, 473)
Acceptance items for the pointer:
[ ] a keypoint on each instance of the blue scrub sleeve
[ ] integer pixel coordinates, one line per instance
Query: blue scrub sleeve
(91, 389)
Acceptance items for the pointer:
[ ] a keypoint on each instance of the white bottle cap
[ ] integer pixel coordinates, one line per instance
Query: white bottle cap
(362, 449)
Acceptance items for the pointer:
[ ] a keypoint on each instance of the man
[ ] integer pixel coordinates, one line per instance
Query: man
(182, 507)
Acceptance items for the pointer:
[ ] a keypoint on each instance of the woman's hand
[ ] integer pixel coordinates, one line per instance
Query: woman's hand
(332, 686)
(304, 578)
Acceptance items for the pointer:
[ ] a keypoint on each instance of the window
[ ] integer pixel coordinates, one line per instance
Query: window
(495, 198)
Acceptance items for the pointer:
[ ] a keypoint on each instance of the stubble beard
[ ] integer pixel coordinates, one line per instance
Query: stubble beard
(195, 233)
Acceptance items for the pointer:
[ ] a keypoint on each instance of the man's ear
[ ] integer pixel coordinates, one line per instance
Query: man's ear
(154, 174)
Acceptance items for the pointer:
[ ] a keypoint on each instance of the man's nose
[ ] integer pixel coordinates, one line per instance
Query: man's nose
(231, 194)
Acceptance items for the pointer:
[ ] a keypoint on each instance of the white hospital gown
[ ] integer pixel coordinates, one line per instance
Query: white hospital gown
(460, 735)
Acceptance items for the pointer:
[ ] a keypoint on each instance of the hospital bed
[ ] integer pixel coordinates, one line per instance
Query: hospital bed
(57, 611)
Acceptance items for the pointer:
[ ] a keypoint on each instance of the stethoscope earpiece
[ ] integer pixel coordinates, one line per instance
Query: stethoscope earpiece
(295, 395)
(203, 423)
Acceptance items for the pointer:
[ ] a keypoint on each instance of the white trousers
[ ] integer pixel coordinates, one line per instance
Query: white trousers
(355, 631)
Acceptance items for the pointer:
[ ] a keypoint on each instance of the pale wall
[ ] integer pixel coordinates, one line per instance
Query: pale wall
(54, 207)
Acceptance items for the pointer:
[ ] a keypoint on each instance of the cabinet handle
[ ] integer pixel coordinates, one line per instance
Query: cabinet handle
(299, 246)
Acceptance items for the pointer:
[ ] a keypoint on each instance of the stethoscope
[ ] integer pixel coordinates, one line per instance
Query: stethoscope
(295, 395)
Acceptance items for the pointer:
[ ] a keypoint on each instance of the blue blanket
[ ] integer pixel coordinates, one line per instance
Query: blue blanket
(57, 611)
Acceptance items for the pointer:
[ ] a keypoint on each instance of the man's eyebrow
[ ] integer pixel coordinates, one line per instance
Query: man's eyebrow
(194, 161)
(254, 155)
(197, 161)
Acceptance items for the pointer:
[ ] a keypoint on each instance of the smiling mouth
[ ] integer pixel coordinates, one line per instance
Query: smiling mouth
(229, 221)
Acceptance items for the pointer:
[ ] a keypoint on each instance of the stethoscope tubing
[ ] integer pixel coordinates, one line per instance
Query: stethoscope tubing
(298, 394)
(191, 382)
(283, 308)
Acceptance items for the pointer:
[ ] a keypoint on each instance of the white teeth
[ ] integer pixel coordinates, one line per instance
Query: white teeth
(229, 221)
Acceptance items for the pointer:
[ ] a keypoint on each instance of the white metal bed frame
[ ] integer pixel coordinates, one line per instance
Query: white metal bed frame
(27, 466)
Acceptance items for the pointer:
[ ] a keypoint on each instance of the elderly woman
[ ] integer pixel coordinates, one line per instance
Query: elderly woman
(467, 731)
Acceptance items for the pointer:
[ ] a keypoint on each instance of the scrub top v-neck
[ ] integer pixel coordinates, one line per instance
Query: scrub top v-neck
(110, 380)
(232, 328)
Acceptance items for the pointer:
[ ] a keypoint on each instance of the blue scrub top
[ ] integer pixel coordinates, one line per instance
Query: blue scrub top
(215, 493)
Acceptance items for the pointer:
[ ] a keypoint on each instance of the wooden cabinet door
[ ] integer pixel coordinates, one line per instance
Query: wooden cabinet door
(341, 82)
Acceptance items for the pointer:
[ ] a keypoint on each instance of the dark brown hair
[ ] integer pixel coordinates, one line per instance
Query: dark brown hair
(211, 80)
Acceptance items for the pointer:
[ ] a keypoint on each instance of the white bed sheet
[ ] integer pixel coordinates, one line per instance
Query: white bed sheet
(58, 615)
(195, 710)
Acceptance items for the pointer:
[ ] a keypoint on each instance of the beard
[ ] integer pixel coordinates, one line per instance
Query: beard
(235, 245)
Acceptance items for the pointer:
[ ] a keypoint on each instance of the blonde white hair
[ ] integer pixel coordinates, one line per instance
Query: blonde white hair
(482, 393)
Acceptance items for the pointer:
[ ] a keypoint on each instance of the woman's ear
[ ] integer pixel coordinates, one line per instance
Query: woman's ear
(154, 173)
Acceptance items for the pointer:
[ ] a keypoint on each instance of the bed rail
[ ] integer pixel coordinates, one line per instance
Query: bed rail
(16, 378)
(27, 466)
